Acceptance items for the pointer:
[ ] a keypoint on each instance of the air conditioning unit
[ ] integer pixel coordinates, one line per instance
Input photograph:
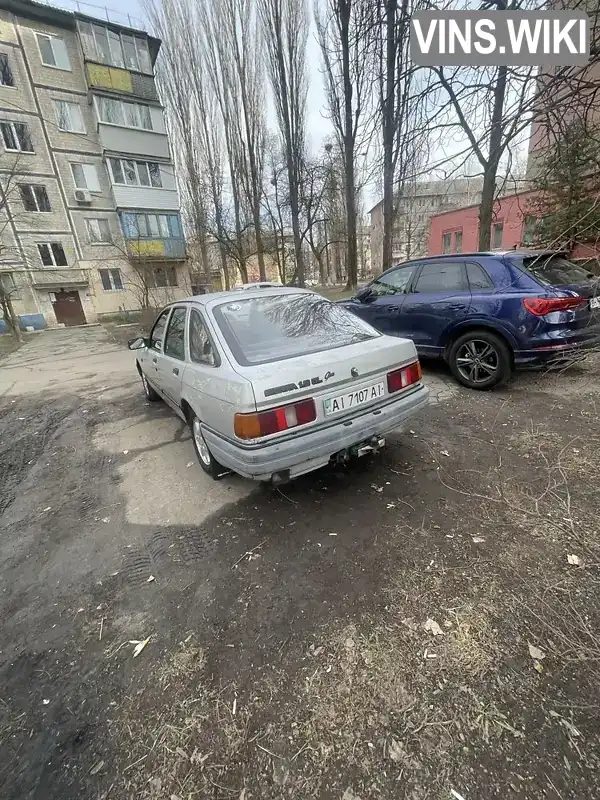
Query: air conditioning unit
(83, 196)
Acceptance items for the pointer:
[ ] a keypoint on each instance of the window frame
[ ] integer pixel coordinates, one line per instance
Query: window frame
(69, 105)
(124, 63)
(50, 37)
(52, 254)
(136, 163)
(495, 225)
(483, 270)
(32, 187)
(401, 267)
(167, 269)
(175, 308)
(101, 100)
(438, 263)
(111, 279)
(147, 225)
(84, 164)
(166, 312)
(13, 128)
(215, 351)
(91, 240)
(6, 69)
(446, 235)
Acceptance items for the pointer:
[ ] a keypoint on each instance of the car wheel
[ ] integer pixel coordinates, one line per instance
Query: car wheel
(209, 464)
(480, 360)
(151, 395)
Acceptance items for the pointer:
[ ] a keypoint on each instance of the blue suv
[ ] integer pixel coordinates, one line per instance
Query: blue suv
(486, 313)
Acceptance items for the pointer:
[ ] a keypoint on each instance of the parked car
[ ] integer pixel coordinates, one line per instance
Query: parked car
(278, 382)
(486, 313)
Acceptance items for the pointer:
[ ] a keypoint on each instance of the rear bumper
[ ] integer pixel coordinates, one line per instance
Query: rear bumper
(558, 351)
(309, 451)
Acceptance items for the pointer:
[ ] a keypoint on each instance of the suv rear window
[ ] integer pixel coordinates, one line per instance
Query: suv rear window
(555, 270)
(260, 330)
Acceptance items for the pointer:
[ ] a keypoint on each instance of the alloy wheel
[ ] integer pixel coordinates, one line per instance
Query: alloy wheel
(477, 361)
(203, 450)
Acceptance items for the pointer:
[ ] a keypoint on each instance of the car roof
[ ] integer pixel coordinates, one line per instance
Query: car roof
(215, 298)
(521, 252)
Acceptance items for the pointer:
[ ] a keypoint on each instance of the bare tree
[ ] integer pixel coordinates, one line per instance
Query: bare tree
(285, 29)
(345, 30)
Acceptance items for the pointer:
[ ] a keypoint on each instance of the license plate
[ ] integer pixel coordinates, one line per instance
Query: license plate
(595, 302)
(344, 402)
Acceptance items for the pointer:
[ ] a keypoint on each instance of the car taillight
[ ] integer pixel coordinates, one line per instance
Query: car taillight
(540, 306)
(401, 378)
(275, 420)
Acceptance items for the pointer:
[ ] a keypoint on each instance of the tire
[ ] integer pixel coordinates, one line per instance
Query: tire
(209, 464)
(480, 360)
(151, 395)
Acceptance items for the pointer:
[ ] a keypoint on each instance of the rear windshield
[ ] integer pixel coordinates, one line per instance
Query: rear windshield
(260, 330)
(556, 270)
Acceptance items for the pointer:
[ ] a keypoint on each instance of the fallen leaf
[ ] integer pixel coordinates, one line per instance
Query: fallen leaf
(536, 653)
(391, 505)
(96, 768)
(478, 539)
(48, 508)
(46, 702)
(377, 488)
(395, 751)
(125, 452)
(432, 626)
(190, 464)
(574, 560)
(139, 645)
(150, 578)
(445, 453)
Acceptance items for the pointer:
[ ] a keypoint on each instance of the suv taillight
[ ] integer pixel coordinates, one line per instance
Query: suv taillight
(540, 306)
(402, 378)
(275, 420)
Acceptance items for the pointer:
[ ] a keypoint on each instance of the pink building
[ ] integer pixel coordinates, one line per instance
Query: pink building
(514, 223)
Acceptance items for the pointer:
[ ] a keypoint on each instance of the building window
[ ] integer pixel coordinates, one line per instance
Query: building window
(119, 50)
(162, 277)
(52, 254)
(85, 176)
(16, 137)
(497, 232)
(130, 115)
(35, 197)
(7, 282)
(529, 229)
(458, 241)
(6, 76)
(111, 280)
(98, 231)
(135, 173)
(144, 226)
(53, 51)
(446, 243)
(69, 116)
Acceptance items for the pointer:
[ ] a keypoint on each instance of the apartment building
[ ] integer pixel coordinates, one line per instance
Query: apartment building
(415, 208)
(89, 210)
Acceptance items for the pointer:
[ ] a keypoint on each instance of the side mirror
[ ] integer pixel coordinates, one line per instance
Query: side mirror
(365, 294)
(137, 343)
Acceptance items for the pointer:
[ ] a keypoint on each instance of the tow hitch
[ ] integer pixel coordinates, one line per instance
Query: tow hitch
(372, 445)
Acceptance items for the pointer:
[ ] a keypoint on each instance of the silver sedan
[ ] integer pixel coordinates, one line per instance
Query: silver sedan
(276, 382)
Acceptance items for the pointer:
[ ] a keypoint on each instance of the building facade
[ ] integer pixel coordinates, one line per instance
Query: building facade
(415, 209)
(89, 210)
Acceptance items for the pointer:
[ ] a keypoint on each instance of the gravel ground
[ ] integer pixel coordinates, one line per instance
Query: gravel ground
(403, 628)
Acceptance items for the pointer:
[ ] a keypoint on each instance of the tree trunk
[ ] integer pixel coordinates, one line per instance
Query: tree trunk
(9, 316)
(388, 133)
(486, 206)
(348, 146)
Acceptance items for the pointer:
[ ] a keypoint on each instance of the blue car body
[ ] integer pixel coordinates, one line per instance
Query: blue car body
(436, 299)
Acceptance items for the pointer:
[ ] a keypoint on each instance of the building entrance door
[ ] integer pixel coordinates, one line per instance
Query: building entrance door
(68, 309)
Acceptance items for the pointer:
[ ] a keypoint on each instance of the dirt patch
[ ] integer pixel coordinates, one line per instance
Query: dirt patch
(362, 633)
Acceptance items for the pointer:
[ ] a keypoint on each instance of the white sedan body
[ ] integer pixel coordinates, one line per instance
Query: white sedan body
(280, 381)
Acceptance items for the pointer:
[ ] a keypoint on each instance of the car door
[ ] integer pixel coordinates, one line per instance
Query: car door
(171, 362)
(203, 375)
(382, 306)
(149, 357)
(438, 297)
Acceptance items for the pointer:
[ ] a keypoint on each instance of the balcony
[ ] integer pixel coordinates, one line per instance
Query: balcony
(145, 197)
(58, 278)
(120, 139)
(121, 81)
(169, 249)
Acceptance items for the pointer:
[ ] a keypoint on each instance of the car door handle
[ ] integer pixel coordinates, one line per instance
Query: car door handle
(175, 370)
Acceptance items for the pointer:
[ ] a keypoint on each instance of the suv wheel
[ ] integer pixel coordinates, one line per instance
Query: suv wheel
(151, 395)
(480, 360)
(209, 464)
